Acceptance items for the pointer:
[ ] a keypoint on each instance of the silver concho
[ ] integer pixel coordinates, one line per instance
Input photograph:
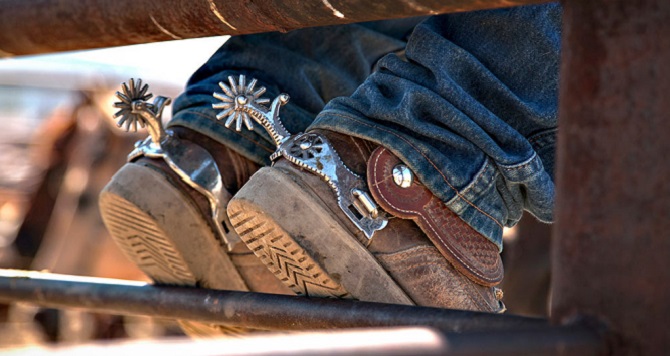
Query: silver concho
(402, 176)
(313, 152)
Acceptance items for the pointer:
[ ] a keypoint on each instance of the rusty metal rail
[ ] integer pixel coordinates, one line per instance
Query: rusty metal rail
(44, 26)
(611, 244)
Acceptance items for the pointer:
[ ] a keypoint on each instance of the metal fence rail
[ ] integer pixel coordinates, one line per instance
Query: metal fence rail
(43, 26)
(454, 331)
(252, 310)
(611, 246)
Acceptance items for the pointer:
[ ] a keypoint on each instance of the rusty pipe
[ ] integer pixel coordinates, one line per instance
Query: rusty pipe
(611, 244)
(44, 26)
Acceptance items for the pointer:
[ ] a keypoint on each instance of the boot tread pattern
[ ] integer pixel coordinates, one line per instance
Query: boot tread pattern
(282, 255)
(144, 242)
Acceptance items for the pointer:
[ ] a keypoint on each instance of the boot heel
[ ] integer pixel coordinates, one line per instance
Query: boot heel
(292, 232)
(154, 225)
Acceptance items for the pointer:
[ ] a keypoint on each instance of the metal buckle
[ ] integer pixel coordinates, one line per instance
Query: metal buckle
(194, 165)
(240, 103)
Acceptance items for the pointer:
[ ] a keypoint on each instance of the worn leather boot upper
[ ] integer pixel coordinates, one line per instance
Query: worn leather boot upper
(235, 172)
(414, 261)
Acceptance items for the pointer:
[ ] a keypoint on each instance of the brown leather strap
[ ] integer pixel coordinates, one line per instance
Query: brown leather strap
(470, 252)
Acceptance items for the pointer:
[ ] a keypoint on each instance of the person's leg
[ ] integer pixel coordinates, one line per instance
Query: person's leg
(163, 222)
(314, 65)
(472, 112)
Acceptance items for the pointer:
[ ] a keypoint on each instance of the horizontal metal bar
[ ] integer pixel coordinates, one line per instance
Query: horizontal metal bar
(388, 341)
(44, 26)
(253, 310)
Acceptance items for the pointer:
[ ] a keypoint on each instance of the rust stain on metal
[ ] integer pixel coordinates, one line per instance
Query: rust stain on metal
(43, 26)
(611, 243)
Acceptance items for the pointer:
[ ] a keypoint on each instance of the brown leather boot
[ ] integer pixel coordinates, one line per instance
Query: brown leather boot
(291, 217)
(161, 209)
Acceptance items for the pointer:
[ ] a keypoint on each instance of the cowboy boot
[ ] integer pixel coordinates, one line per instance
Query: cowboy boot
(166, 208)
(325, 231)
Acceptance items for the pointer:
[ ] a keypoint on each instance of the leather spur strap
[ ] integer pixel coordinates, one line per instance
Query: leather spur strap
(471, 253)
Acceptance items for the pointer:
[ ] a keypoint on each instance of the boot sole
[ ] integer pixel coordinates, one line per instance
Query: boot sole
(166, 237)
(300, 241)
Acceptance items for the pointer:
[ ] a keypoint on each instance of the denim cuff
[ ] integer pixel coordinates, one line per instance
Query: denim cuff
(492, 198)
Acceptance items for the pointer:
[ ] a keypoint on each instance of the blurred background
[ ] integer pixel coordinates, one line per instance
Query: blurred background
(59, 146)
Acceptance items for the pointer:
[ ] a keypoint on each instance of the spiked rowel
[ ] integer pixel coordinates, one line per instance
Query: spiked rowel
(166, 210)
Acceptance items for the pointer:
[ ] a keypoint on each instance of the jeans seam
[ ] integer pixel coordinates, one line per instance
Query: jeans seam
(521, 165)
(444, 178)
(477, 178)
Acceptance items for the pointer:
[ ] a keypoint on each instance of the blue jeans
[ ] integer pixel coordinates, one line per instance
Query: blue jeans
(471, 107)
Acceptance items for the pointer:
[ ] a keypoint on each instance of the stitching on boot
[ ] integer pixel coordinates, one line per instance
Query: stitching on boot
(432, 228)
(444, 178)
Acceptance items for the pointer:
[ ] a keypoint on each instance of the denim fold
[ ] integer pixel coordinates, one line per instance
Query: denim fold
(470, 105)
